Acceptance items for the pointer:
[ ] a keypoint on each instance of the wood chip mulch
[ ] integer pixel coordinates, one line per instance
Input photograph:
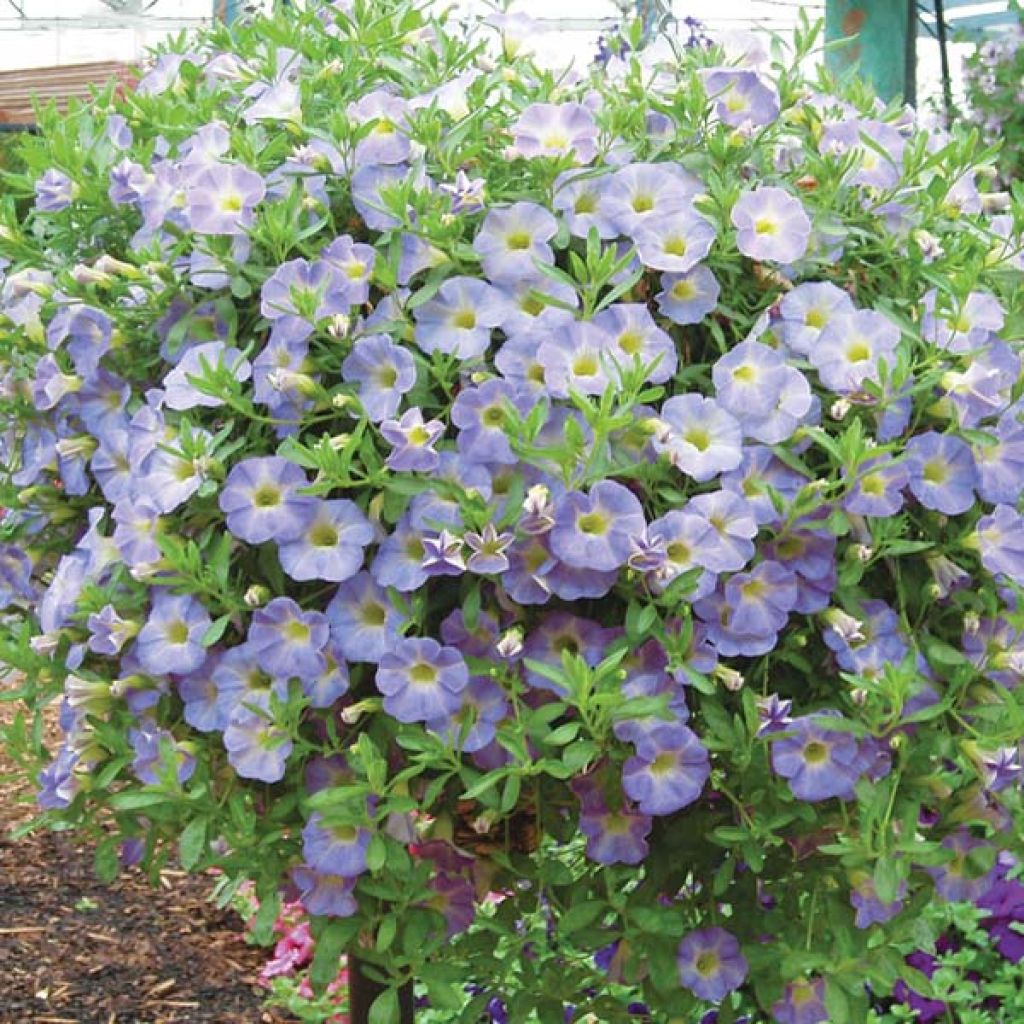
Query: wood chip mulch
(76, 951)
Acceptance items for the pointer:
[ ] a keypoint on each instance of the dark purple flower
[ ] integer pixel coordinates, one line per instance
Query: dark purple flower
(421, 680)
(711, 964)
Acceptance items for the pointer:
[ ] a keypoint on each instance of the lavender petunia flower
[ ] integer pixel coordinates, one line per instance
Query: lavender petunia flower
(877, 490)
(384, 372)
(741, 97)
(615, 837)
(818, 762)
(261, 502)
(179, 391)
(760, 600)
(960, 878)
(172, 638)
(1000, 541)
(771, 225)
(325, 895)
(222, 200)
(640, 194)
(489, 550)
(335, 849)
(593, 531)
(513, 239)
(711, 964)
(633, 335)
(459, 319)
(677, 242)
(698, 436)
(289, 641)
(576, 357)
(412, 442)
(668, 771)
(256, 747)
(556, 130)
(308, 291)
(848, 350)
(729, 544)
(421, 680)
(688, 298)
(331, 545)
(803, 1002)
(942, 472)
(809, 308)
(870, 909)
(55, 191)
(580, 200)
(749, 379)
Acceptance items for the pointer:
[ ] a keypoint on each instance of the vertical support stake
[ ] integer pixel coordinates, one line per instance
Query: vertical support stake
(883, 48)
(363, 990)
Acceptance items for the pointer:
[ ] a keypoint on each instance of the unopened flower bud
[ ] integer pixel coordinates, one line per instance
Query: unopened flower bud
(972, 623)
(510, 645)
(143, 572)
(80, 447)
(849, 628)
(995, 202)
(859, 696)
(83, 275)
(45, 643)
(840, 408)
(256, 596)
(339, 325)
(732, 680)
(354, 712)
(863, 553)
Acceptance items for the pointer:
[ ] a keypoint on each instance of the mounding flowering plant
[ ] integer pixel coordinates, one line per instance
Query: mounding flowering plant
(561, 526)
(994, 87)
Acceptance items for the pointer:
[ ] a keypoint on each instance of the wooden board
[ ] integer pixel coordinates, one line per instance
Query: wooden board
(19, 88)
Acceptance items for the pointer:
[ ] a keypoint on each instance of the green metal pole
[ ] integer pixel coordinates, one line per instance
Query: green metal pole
(883, 48)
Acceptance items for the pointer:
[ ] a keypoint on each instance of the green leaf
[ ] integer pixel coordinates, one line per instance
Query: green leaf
(580, 915)
(385, 1008)
(386, 933)
(376, 853)
(330, 945)
(192, 843)
(215, 630)
(836, 1003)
(105, 862)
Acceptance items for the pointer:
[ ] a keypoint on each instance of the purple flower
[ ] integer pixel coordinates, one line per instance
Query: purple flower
(158, 754)
(364, 622)
(643, 193)
(331, 545)
(761, 600)
(848, 350)
(818, 762)
(1000, 541)
(961, 326)
(513, 239)
(421, 680)
(942, 472)
(257, 748)
(16, 576)
(412, 442)
(711, 964)
(484, 704)
(488, 549)
(771, 225)
(773, 713)
(676, 242)
(325, 895)
(172, 638)
(962, 878)
(387, 141)
(1002, 769)
(580, 200)
(108, 631)
(335, 849)
(682, 536)
(749, 379)
(399, 561)
(308, 291)
(459, 319)
(288, 641)
(576, 357)
(698, 436)
(261, 502)
(1000, 462)
(384, 372)
(179, 391)
(467, 193)
(556, 130)
(593, 531)
(741, 97)
(878, 488)
(803, 1002)
(870, 909)
(729, 545)
(442, 555)
(668, 771)
(688, 298)
(222, 200)
(54, 192)
(809, 308)
(353, 263)
(480, 414)
(633, 335)
(615, 837)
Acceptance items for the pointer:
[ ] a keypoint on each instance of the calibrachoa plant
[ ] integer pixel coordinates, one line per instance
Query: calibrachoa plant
(994, 86)
(562, 527)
